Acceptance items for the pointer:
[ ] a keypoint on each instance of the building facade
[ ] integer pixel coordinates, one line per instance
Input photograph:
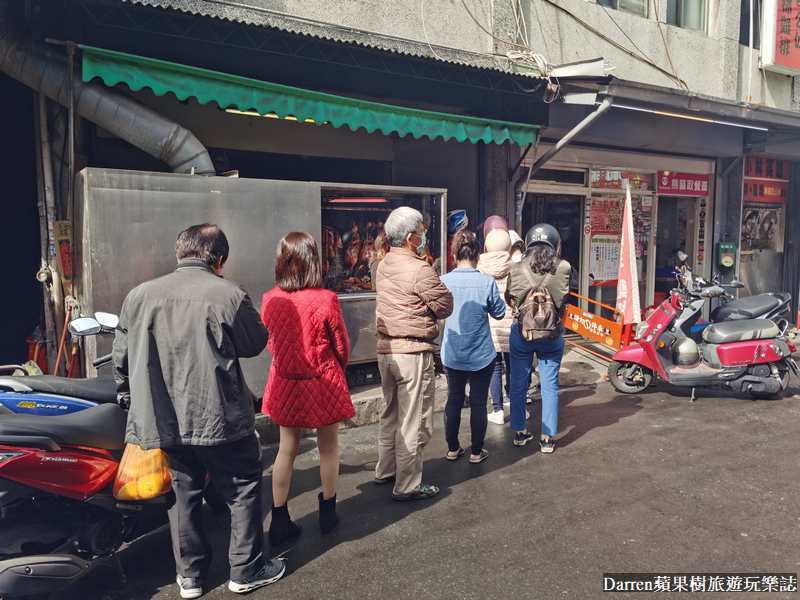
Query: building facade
(691, 102)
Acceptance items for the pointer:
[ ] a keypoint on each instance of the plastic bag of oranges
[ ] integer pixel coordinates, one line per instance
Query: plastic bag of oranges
(142, 474)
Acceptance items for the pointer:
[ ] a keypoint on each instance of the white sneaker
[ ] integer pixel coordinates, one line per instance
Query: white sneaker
(498, 417)
(527, 415)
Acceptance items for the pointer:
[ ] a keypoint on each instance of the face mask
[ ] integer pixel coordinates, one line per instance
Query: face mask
(421, 247)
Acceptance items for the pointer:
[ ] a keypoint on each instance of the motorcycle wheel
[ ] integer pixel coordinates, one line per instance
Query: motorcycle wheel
(783, 370)
(640, 381)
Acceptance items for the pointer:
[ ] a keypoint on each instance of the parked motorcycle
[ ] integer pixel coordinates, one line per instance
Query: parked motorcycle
(750, 355)
(50, 395)
(61, 441)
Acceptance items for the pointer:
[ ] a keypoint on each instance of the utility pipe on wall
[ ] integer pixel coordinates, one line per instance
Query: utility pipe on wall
(45, 70)
(750, 57)
(605, 105)
(43, 275)
(576, 131)
(50, 214)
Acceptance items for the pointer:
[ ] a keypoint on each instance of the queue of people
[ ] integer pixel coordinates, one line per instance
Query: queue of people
(181, 336)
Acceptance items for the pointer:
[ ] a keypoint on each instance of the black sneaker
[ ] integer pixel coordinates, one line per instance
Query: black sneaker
(547, 445)
(520, 439)
(270, 573)
(191, 587)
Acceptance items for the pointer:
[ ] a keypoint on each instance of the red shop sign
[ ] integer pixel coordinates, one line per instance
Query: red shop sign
(612, 180)
(781, 36)
(682, 184)
(765, 180)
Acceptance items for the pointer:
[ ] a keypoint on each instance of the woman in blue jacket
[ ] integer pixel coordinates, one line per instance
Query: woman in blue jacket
(468, 352)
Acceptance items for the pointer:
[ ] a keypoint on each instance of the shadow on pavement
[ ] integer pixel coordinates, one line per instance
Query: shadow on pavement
(576, 419)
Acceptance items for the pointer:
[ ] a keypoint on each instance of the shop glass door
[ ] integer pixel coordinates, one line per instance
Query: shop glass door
(605, 238)
(603, 214)
(562, 211)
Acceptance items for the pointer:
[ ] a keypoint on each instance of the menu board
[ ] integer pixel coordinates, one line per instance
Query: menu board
(606, 214)
(604, 259)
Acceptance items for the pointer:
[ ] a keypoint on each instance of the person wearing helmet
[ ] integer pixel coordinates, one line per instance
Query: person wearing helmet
(542, 258)
(456, 221)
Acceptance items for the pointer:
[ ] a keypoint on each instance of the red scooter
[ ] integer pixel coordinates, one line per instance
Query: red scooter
(751, 356)
(58, 517)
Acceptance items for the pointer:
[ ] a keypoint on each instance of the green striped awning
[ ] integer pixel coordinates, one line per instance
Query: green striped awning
(266, 98)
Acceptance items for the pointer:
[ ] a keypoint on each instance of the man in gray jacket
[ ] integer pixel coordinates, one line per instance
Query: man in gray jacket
(176, 362)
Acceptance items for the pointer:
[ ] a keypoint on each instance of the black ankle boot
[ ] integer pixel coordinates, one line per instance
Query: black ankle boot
(328, 519)
(282, 527)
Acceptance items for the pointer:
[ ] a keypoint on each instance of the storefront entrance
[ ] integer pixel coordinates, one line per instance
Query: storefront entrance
(562, 211)
(670, 213)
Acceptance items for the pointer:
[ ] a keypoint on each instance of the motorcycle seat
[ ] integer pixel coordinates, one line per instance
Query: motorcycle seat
(101, 427)
(750, 307)
(97, 389)
(740, 331)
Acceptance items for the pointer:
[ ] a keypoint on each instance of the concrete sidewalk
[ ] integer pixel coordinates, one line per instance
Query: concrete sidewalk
(640, 484)
(578, 368)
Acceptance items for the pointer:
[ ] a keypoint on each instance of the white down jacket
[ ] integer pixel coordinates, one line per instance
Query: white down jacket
(497, 265)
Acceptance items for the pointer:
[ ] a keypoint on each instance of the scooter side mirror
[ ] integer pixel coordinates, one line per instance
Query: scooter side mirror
(107, 320)
(682, 256)
(84, 326)
(737, 284)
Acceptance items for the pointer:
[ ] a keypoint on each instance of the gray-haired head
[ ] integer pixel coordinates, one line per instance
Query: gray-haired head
(400, 223)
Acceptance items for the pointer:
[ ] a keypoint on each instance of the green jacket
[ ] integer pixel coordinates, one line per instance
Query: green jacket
(519, 286)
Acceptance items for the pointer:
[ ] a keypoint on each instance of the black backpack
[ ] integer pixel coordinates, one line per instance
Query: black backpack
(538, 316)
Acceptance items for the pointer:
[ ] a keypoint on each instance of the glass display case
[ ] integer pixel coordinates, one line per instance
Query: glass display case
(354, 243)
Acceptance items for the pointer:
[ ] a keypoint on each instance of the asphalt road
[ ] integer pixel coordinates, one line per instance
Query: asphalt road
(638, 484)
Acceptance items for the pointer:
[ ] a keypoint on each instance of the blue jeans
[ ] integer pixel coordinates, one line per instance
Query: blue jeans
(549, 354)
(478, 394)
(496, 384)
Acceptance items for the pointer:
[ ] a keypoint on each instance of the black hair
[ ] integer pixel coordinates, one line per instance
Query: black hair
(205, 241)
(543, 259)
(465, 246)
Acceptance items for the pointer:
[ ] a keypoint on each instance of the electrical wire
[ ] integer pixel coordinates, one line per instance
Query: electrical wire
(489, 32)
(608, 14)
(522, 26)
(615, 43)
(666, 47)
(425, 31)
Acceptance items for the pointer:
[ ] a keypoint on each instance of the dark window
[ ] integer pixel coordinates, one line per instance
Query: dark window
(637, 7)
(744, 24)
(689, 14)
(559, 176)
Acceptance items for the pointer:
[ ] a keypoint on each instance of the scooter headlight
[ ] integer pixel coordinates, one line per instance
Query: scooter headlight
(641, 330)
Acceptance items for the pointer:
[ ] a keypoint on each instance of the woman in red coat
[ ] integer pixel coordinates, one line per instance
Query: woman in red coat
(306, 385)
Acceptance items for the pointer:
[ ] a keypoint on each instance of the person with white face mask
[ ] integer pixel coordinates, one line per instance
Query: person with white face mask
(410, 299)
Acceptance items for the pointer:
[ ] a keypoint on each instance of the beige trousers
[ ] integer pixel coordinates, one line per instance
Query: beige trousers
(406, 424)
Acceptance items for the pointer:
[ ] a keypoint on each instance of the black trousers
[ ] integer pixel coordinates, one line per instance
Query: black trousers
(478, 394)
(236, 473)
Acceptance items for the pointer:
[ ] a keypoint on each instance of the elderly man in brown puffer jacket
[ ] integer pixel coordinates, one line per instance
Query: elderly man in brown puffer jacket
(411, 297)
